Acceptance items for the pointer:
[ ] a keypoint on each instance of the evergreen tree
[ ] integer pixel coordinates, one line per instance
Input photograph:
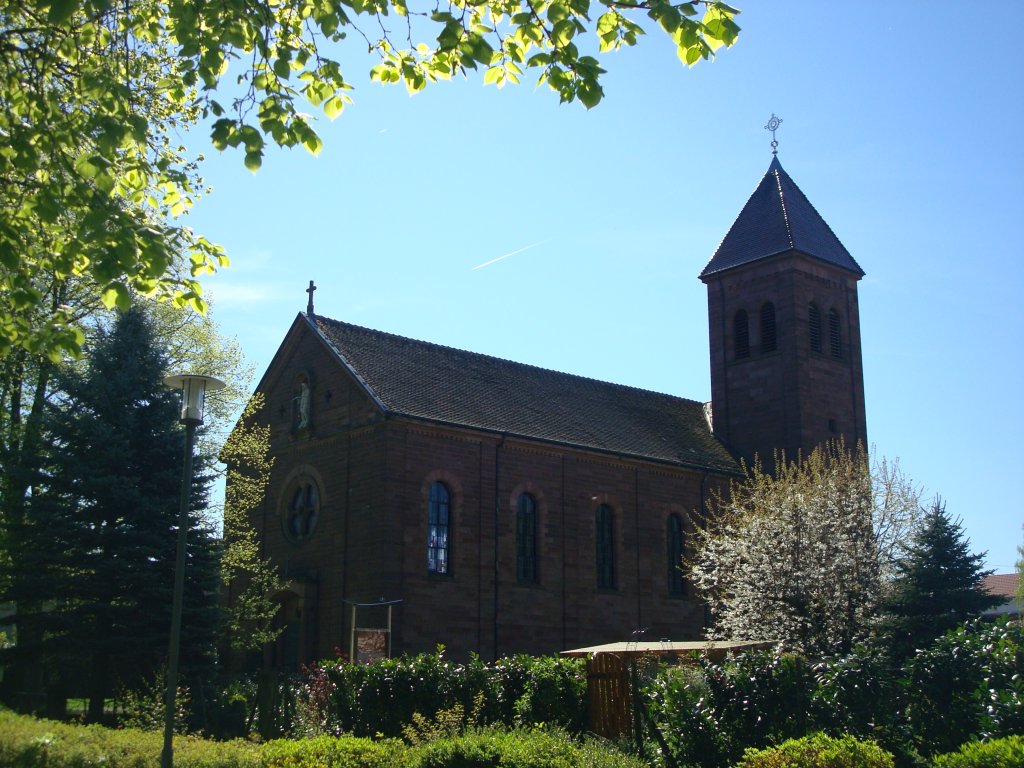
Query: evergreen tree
(937, 587)
(92, 561)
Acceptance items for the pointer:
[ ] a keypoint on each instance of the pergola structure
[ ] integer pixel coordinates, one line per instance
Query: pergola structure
(612, 676)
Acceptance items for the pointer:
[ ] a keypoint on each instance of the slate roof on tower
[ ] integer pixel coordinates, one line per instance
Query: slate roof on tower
(778, 218)
(430, 382)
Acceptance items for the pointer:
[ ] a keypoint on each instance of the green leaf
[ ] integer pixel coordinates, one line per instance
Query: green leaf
(61, 10)
(334, 106)
(116, 295)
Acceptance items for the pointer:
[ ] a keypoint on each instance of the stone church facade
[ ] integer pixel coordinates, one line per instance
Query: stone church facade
(502, 508)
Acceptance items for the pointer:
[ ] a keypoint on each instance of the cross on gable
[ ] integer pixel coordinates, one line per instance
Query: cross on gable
(309, 304)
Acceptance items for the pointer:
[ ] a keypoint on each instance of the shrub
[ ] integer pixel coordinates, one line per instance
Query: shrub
(382, 697)
(819, 751)
(966, 685)
(520, 748)
(331, 752)
(708, 715)
(1000, 753)
(29, 743)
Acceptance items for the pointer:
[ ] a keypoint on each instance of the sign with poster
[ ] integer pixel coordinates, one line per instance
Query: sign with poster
(368, 644)
(371, 645)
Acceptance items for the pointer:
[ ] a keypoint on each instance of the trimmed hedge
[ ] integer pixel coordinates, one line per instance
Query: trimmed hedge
(29, 743)
(819, 751)
(382, 697)
(999, 753)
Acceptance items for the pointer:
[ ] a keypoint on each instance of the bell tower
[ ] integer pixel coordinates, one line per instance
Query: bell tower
(786, 371)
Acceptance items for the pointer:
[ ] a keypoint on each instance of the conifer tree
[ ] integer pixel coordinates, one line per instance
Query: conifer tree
(937, 587)
(91, 563)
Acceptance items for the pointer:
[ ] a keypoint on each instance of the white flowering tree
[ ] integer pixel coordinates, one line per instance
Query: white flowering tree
(800, 556)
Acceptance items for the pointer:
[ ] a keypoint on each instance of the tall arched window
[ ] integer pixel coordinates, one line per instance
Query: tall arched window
(768, 339)
(439, 528)
(604, 528)
(526, 538)
(741, 334)
(674, 536)
(814, 326)
(834, 341)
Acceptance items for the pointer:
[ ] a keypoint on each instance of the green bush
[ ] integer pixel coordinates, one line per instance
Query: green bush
(331, 752)
(819, 751)
(710, 714)
(521, 748)
(999, 753)
(29, 743)
(382, 697)
(966, 685)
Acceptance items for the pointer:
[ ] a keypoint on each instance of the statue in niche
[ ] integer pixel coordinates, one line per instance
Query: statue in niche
(300, 406)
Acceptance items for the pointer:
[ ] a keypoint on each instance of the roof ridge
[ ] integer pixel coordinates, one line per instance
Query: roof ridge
(782, 202)
(435, 345)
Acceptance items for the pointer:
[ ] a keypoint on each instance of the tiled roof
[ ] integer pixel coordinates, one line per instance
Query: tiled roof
(777, 218)
(1004, 584)
(428, 381)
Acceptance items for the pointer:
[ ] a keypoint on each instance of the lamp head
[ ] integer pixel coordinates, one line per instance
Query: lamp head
(193, 394)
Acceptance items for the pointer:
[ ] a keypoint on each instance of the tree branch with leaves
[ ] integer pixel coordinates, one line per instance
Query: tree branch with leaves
(93, 181)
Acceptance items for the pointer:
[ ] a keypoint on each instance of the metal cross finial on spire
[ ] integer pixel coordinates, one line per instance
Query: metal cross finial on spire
(773, 125)
(309, 304)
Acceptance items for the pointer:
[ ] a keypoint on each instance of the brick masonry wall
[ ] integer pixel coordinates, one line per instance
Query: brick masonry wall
(370, 539)
(793, 398)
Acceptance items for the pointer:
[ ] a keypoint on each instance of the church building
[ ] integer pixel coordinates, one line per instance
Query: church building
(454, 498)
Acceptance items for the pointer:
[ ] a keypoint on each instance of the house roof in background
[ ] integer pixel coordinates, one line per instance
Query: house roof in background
(778, 218)
(441, 384)
(1004, 584)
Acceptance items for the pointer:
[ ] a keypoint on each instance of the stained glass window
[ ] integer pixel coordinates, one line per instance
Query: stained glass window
(438, 528)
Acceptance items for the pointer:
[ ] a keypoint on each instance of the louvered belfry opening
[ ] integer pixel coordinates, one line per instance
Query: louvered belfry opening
(741, 334)
(835, 347)
(814, 326)
(768, 337)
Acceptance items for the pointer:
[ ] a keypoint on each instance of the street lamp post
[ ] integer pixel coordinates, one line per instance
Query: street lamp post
(193, 400)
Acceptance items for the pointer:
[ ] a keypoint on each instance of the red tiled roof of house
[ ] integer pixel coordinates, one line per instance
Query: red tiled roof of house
(1004, 584)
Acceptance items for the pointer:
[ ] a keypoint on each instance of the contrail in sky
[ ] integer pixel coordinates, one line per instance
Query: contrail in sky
(510, 253)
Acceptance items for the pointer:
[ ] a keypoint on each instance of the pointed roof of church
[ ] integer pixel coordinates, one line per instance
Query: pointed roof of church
(778, 218)
(431, 382)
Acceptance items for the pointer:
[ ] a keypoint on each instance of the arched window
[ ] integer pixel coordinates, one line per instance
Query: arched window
(439, 528)
(526, 538)
(768, 341)
(604, 528)
(834, 341)
(303, 510)
(814, 326)
(741, 334)
(674, 536)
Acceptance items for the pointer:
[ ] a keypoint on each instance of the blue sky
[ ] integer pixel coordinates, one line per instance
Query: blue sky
(903, 124)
